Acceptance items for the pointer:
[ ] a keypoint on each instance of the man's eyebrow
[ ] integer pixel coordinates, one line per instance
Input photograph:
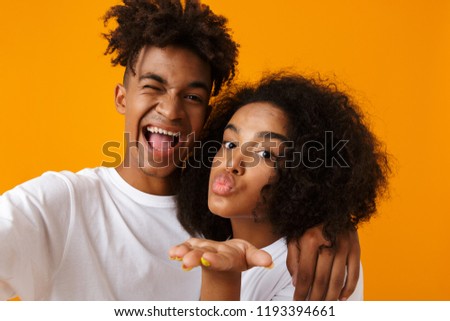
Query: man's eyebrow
(200, 84)
(155, 77)
(161, 80)
(266, 134)
(231, 127)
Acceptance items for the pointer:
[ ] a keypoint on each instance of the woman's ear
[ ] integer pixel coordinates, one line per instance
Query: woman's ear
(120, 100)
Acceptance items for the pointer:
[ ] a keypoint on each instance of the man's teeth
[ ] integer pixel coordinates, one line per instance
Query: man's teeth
(157, 130)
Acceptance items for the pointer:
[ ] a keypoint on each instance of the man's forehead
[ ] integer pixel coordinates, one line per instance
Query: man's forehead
(172, 57)
(171, 65)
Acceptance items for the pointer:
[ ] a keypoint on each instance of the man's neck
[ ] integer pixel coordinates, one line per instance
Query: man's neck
(147, 183)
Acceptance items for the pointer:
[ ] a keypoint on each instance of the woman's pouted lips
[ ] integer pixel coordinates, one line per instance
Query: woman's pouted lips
(223, 184)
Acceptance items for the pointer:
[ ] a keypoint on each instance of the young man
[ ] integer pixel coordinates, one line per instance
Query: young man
(103, 233)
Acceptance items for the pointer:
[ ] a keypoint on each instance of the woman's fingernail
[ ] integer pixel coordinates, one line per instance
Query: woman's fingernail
(205, 262)
(270, 267)
(175, 258)
(185, 268)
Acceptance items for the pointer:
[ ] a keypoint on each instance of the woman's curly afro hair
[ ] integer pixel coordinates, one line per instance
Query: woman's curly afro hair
(313, 186)
(162, 23)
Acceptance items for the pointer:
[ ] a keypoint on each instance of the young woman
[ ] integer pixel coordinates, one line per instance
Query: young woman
(294, 153)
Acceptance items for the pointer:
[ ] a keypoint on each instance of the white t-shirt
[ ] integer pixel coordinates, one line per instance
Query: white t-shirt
(90, 236)
(261, 284)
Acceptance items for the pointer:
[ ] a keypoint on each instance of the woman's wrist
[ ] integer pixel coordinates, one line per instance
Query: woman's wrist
(220, 286)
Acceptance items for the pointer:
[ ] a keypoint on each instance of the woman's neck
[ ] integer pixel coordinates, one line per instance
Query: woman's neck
(260, 234)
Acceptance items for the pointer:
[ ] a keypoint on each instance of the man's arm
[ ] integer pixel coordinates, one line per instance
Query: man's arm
(33, 229)
(319, 270)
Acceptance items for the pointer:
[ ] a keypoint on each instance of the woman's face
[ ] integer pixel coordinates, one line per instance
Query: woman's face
(252, 141)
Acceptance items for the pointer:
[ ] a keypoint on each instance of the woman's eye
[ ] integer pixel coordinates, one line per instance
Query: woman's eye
(265, 154)
(229, 145)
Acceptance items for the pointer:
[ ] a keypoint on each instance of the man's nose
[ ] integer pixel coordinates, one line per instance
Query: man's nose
(171, 108)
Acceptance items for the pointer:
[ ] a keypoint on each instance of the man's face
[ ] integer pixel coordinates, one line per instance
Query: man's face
(165, 103)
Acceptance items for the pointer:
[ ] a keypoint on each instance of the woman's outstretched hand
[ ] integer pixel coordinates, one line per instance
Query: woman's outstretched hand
(234, 255)
(222, 264)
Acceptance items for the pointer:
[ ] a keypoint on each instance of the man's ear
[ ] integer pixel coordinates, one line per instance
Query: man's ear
(120, 98)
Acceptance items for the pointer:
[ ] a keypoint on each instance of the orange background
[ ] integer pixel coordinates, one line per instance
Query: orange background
(57, 107)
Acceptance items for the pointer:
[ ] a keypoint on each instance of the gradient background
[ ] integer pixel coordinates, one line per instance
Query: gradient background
(57, 107)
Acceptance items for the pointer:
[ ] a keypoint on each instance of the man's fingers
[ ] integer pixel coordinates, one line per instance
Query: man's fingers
(350, 284)
(337, 276)
(323, 273)
(319, 277)
(353, 266)
(293, 255)
(305, 271)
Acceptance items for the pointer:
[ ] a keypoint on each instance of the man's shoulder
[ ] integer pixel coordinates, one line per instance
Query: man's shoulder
(88, 176)
(83, 182)
(53, 182)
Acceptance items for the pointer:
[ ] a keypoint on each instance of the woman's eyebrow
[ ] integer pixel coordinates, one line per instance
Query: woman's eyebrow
(268, 134)
(262, 134)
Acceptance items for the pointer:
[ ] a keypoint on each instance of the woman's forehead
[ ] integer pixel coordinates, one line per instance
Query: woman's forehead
(259, 117)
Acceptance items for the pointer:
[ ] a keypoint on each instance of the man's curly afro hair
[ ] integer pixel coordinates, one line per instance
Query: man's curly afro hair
(338, 194)
(163, 23)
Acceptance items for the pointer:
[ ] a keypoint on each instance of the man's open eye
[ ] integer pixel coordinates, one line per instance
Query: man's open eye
(229, 145)
(194, 98)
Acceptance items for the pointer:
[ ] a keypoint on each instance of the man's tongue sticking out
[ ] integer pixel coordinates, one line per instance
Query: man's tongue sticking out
(161, 142)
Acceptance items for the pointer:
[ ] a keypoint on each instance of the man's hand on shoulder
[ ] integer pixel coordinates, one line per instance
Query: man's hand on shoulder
(318, 269)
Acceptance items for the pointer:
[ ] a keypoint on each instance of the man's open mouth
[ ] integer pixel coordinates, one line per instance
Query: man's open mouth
(161, 139)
